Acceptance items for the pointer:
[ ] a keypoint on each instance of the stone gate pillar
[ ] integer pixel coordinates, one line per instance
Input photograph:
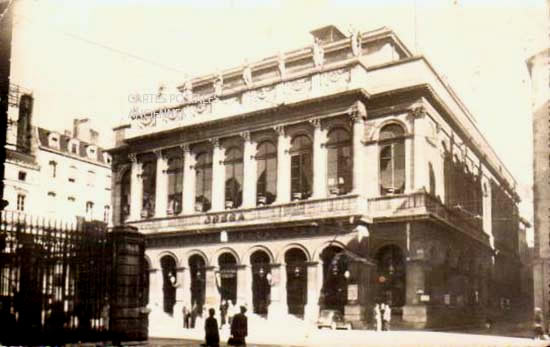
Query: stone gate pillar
(128, 316)
(211, 294)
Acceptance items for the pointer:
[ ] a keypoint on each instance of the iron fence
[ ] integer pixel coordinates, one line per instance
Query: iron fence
(54, 284)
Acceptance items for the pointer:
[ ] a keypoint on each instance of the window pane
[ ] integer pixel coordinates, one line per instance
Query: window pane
(391, 131)
(386, 168)
(399, 164)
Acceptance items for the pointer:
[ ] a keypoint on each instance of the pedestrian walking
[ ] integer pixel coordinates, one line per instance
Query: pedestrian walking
(377, 318)
(211, 334)
(231, 310)
(185, 313)
(538, 324)
(386, 317)
(223, 313)
(239, 329)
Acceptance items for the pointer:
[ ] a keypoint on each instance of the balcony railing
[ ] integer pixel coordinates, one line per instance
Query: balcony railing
(402, 207)
(294, 212)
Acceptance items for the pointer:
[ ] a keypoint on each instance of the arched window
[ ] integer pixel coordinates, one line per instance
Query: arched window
(266, 181)
(339, 161)
(125, 196)
(175, 185)
(301, 167)
(392, 160)
(149, 178)
(203, 182)
(233, 177)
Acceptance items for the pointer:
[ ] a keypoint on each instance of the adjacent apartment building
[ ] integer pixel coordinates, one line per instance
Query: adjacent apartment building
(333, 176)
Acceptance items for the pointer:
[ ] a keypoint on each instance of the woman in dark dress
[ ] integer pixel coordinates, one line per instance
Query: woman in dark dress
(212, 336)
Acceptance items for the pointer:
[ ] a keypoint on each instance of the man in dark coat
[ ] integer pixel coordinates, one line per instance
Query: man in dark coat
(239, 328)
(212, 336)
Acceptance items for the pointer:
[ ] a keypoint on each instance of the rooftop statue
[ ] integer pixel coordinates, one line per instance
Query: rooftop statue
(318, 53)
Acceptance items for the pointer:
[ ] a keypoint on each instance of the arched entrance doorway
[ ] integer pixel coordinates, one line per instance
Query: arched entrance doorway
(228, 277)
(197, 267)
(296, 281)
(261, 288)
(168, 265)
(334, 290)
(390, 278)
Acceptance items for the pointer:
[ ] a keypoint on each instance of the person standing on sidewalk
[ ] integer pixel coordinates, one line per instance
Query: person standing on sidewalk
(386, 317)
(239, 328)
(211, 334)
(538, 324)
(377, 317)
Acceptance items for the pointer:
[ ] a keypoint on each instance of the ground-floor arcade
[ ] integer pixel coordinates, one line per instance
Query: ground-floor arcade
(428, 273)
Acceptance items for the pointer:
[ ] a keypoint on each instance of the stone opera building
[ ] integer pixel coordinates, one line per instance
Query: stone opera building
(333, 176)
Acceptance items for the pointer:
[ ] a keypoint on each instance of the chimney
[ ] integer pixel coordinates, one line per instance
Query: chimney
(327, 34)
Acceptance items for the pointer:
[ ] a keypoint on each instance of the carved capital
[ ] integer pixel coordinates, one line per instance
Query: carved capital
(245, 135)
(215, 141)
(158, 153)
(218, 84)
(418, 112)
(185, 148)
(132, 157)
(358, 113)
(280, 130)
(316, 122)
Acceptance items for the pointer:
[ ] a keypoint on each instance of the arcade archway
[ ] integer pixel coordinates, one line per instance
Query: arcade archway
(197, 267)
(296, 281)
(391, 276)
(228, 277)
(261, 288)
(168, 265)
(334, 290)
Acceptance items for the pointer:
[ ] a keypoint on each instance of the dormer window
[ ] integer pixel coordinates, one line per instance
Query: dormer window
(91, 151)
(53, 140)
(73, 146)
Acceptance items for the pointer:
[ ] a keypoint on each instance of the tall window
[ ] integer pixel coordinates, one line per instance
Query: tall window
(89, 210)
(149, 179)
(233, 177)
(301, 167)
(392, 160)
(53, 168)
(266, 181)
(72, 174)
(20, 202)
(175, 185)
(106, 212)
(339, 161)
(203, 182)
(125, 196)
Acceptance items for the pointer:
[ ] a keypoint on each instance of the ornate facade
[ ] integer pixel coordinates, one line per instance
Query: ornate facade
(332, 176)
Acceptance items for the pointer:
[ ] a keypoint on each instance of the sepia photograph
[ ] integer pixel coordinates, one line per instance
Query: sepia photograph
(275, 173)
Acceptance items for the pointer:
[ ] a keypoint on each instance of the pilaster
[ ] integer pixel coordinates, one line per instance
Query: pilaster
(244, 286)
(155, 291)
(212, 298)
(357, 118)
(283, 166)
(188, 199)
(414, 310)
(161, 195)
(319, 160)
(136, 189)
(277, 307)
(314, 282)
(218, 176)
(249, 168)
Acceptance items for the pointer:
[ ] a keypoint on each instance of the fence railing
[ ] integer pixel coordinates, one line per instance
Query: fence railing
(54, 280)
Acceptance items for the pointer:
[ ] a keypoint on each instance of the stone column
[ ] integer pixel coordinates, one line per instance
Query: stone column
(249, 168)
(188, 198)
(319, 160)
(357, 118)
(136, 189)
(314, 280)
(178, 307)
(414, 310)
(155, 291)
(218, 176)
(420, 162)
(277, 307)
(212, 297)
(283, 166)
(161, 194)
(244, 285)
(186, 288)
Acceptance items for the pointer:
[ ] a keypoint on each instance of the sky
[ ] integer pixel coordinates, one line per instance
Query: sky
(88, 58)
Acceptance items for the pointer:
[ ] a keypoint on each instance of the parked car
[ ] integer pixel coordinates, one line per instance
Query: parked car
(332, 319)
